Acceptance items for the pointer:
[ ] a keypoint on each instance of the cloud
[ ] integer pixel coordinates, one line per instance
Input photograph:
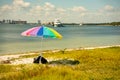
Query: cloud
(46, 12)
(60, 11)
(78, 9)
(21, 3)
(15, 10)
(48, 6)
(6, 8)
(20, 9)
(107, 13)
(16, 5)
(36, 9)
(108, 8)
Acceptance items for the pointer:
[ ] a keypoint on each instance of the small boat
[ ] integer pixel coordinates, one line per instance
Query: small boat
(80, 24)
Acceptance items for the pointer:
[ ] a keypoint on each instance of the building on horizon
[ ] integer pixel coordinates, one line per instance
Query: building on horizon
(19, 22)
(39, 22)
(8, 21)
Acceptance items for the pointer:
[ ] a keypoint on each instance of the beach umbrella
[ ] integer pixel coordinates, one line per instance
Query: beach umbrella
(42, 32)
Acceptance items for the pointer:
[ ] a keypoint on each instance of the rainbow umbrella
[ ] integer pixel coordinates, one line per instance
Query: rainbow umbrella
(43, 32)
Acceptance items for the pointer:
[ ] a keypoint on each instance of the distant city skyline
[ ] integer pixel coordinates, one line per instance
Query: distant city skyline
(75, 11)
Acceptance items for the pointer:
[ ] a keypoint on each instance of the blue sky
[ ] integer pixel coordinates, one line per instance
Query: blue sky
(80, 11)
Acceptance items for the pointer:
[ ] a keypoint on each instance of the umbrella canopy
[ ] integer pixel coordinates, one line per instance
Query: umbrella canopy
(42, 31)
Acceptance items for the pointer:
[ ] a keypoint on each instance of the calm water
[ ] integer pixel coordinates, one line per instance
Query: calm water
(73, 36)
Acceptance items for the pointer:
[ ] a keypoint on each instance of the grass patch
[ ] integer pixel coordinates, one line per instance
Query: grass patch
(97, 64)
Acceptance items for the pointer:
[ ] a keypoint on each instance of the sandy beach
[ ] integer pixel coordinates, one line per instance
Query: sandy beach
(15, 59)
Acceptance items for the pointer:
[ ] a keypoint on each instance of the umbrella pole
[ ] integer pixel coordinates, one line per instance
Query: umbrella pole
(41, 52)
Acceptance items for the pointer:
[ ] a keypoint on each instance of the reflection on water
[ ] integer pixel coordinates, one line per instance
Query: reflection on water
(78, 36)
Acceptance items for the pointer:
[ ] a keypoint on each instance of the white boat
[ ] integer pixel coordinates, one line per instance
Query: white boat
(80, 24)
(57, 23)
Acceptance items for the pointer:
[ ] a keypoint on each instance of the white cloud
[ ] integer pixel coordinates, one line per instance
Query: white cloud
(108, 8)
(48, 6)
(21, 3)
(20, 9)
(61, 10)
(78, 9)
(6, 8)
(36, 9)
(82, 14)
(17, 5)
(15, 10)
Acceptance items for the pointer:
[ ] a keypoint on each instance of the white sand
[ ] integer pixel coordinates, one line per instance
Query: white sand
(23, 61)
(15, 56)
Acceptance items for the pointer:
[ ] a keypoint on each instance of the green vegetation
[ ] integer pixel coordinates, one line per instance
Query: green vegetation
(112, 23)
(115, 23)
(97, 64)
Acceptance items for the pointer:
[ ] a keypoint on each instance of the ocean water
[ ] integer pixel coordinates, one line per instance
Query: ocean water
(74, 36)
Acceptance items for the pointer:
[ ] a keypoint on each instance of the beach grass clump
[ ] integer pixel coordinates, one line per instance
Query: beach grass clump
(94, 64)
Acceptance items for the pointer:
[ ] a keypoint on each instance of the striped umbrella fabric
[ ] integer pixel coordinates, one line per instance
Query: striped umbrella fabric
(42, 31)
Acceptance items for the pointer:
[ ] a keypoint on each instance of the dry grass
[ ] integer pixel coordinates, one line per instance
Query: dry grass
(97, 64)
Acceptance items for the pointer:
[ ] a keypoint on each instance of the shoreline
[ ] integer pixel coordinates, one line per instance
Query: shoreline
(7, 58)
(57, 50)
